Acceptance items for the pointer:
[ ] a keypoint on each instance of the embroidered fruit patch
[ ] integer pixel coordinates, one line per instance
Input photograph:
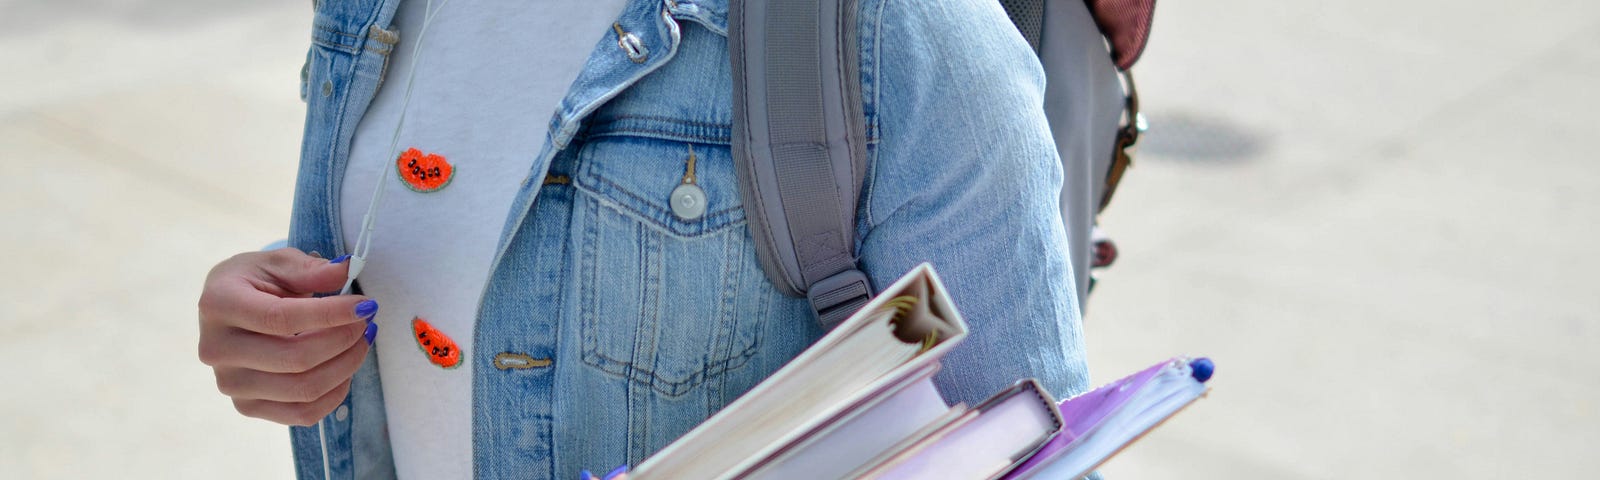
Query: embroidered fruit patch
(439, 348)
(424, 173)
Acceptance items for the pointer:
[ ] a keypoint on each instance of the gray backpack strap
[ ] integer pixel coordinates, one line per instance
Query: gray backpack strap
(1028, 17)
(799, 145)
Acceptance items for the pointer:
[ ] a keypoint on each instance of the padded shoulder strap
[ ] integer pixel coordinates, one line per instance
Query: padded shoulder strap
(1028, 17)
(799, 145)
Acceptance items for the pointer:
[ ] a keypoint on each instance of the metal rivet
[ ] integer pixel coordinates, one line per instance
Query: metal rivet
(631, 44)
(342, 414)
(327, 88)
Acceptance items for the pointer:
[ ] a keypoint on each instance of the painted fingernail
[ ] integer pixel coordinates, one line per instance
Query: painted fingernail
(341, 259)
(367, 308)
(619, 471)
(585, 475)
(372, 332)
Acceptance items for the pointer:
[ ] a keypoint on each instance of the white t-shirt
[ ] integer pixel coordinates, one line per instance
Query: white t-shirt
(492, 74)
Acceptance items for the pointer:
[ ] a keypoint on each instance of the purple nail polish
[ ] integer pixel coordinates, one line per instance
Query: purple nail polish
(367, 308)
(371, 333)
(619, 471)
(585, 475)
(341, 259)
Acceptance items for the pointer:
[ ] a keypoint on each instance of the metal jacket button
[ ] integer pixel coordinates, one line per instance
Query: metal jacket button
(688, 200)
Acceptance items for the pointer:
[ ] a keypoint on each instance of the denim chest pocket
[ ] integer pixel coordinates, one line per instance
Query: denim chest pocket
(666, 300)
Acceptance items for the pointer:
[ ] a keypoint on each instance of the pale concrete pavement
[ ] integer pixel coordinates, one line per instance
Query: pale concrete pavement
(1374, 215)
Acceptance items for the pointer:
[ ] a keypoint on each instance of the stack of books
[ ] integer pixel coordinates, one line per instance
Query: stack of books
(861, 403)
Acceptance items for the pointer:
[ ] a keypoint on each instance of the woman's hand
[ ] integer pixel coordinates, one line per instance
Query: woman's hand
(281, 354)
(620, 473)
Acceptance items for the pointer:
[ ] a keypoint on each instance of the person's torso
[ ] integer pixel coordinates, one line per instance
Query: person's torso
(474, 111)
(599, 299)
(610, 324)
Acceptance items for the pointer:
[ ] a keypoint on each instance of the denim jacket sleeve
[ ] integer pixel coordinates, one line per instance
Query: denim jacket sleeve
(965, 175)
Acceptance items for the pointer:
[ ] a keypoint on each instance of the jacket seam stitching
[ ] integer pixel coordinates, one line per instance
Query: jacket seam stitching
(874, 133)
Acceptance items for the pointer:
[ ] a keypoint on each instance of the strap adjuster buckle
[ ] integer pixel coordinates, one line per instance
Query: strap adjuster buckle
(837, 297)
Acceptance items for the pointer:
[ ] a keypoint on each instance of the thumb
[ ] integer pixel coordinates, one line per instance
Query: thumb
(301, 274)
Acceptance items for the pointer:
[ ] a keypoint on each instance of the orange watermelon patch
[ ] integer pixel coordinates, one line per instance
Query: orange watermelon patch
(424, 173)
(439, 348)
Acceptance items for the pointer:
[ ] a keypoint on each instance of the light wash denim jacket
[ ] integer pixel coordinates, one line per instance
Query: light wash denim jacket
(652, 323)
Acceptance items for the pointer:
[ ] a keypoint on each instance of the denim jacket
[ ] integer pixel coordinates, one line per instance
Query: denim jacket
(609, 326)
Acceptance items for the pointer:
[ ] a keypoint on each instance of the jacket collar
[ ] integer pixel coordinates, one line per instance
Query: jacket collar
(711, 13)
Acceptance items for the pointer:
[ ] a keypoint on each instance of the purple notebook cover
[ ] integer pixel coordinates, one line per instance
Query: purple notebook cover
(1083, 412)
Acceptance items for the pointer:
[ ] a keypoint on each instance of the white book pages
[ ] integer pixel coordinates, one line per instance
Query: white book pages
(860, 433)
(990, 439)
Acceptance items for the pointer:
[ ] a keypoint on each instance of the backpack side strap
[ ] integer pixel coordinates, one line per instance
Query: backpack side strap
(799, 145)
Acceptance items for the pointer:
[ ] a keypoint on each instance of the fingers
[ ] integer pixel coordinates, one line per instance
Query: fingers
(285, 272)
(302, 414)
(269, 293)
(297, 387)
(238, 303)
(280, 353)
(230, 347)
(290, 316)
(300, 398)
(619, 473)
(299, 273)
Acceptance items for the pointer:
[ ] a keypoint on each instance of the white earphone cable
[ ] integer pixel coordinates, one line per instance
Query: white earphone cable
(363, 244)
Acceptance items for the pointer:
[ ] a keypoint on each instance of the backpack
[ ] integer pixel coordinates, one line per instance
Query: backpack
(801, 164)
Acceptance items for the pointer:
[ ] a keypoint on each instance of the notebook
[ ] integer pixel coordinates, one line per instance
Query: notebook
(861, 432)
(902, 331)
(985, 442)
(1102, 422)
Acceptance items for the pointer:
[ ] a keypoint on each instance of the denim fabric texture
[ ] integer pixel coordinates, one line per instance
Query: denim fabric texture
(652, 322)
